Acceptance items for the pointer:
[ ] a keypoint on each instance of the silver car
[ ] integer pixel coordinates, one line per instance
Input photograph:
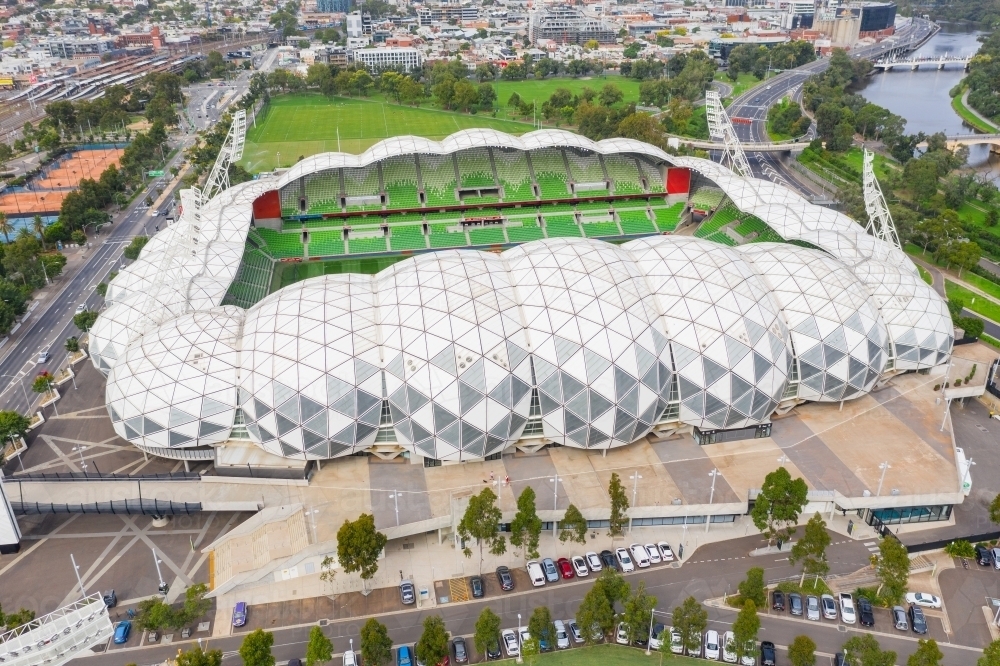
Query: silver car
(899, 619)
(812, 608)
(829, 605)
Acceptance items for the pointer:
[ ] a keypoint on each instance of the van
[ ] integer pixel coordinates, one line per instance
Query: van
(535, 573)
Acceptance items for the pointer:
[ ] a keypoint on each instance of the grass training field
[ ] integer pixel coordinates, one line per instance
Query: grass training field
(541, 89)
(290, 273)
(306, 124)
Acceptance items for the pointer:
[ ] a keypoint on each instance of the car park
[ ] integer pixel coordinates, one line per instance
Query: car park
(240, 614)
(624, 560)
(535, 573)
(923, 599)
(899, 618)
(407, 594)
(865, 612)
(917, 621)
(549, 567)
(639, 555)
(593, 561)
(729, 647)
(565, 568)
(580, 566)
(460, 651)
(404, 656)
(525, 636)
(656, 640)
(653, 553)
(505, 579)
(122, 631)
(510, 643)
(478, 589)
(666, 554)
(621, 634)
(574, 631)
(812, 608)
(767, 654)
(829, 605)
(712, 645)
(675, 642)
(608, 559)
(778, 600)
(562, 636)
(795, 603)
(846, 609)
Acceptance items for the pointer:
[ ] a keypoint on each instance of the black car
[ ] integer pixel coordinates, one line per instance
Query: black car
(476, 583)
(461, 654)
(778, 600)
(608, 558)
(917, 621)
(984, 557)
(865, 612)
(111, 599)
(505, 579)
(406, 593)
(493, 649)
(767, 657)
(795, 603)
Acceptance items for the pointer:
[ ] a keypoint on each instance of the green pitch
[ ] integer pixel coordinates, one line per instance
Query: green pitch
(541, 90)
(307, 124)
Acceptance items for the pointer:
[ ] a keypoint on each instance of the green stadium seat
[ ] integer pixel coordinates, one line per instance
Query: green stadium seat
(707, 198)
(624, 173)
(562, 226)
(326, 243)
(550, 173)
(474, 168)
(635, 222)
(438, 173)
(512, 172)
(585, 168)
(651, 172)
(253, 279)
(407, 238)
(323, 192)
(600, 229)
(528, 231)
(400, 175)
(719, 219)
(367, 245)
(487, 236)
(442, 236)
(282, 245)
(668, 217)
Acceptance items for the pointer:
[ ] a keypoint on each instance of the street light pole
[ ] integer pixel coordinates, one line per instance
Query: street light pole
(163, 585)
(76, 570)
(711, 496)
(394, 496)
(883, 466)
(519, 659)
(635, 489)
(555, 503)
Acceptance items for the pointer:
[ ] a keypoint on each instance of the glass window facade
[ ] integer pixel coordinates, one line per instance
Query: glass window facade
(908, 514)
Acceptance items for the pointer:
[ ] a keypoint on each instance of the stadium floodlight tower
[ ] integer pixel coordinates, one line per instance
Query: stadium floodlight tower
(880, 223)
(230, 152)
(721, 128)
(60, 636)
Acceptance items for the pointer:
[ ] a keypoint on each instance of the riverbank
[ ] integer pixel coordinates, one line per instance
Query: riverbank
(960, 103)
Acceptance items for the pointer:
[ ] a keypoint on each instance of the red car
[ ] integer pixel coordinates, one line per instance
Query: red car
(565, 568)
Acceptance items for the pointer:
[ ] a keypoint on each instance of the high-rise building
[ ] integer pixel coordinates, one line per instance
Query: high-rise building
(336, 6)
(569, 25)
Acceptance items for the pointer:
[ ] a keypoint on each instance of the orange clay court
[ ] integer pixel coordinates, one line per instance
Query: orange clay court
(48, 192)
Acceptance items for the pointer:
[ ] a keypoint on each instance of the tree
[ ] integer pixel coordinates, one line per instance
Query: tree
(598, 606)
(802, 651)
(376, 646)
(610, 95)
(928, 654)
(319, 648)
(752, 587)
(481, 522)
(12, 424)
(864, 650)
(530, 649)
(690, 621)
(42, 383)
(72, 344)
(195, 604)
(132, 250)
(487, 630)
(85, 320)
(573, 526)
(892, 568)
(638, 612)
(433, 644)
(745, 630)
(778, 504)
(995, 509)
(960, 548)
(197, 657)
(6, 228)
(540, 625)
(619, 505)
(991, 655)
(38, 226)
(811, 549)
(358, 546)
(11, 620)
(256, 648)
(154, 614)
(526, 527)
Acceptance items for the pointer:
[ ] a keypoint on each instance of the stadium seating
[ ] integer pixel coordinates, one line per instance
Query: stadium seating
(290, 200)
(323, 192)
(400, 175)
(512, 171)
(624, 173)
(487, 236)
(654, 179)
(407, 238)
(635, 222)
(479, 201)
(528, 231)
(282, 245)
(326, 243)
(707, 198)
(441, 235)
(547, 209)
(721, 218)
(600, 229)
(602, 206)
(364, 245)
(668, 217)
(561, 226)
(362, 182)
(474, 168)
(585, 168)
(252, 279)
(550, 173)
(318, 224)
(438, 174)
(722, 238)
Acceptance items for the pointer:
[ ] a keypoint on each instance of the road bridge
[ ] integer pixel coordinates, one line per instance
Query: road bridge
(915, 64)
(953, 141)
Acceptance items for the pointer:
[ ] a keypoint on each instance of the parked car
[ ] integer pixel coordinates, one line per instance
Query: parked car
(767, 656)
(510, 644)
(608, 559)
(812, 608)
(407, 593)
(565, 568)
(729, 647)
(574, 631)
(899, 618)
(110, 599)
(996, 558)
(917, 621)
(562, 636)
(829, 606)
(750, 654)
(666, 554)
(461, 653)
(350, 658)
(404, 656)
(865, 612)
(984, 556)
(625, 561)
(240, 614)
(696, 651)
(621, 635)
(712, 645)
(152, 636)
(493, 648)
(478, 589)
(675, 641)
(795, 603)
(535, 573)
(505, 579)
(593, 561)
(295, 662)
(778, 600)
(846, 609)
(580, 566)
(639, 555)
(923, 599)
(653, 553)
(525, 636)
(549, 567)
(656, 640)
(122, 631)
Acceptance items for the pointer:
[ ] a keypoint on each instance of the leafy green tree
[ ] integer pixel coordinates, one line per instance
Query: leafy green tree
(376, 646)
(433, 644)
(132, 250)
(619, 505)
(610, 95)
(154, 614)
(540, 625)
(690, 621)
(530, 649)
(598, 605)
(802, 651)
(745, 629)
(864, 650)
(481, 522)
(960, 548)
(256, 648)
(319, 649)
(995, 509)
(6, 228)
(638, 612)
(526, 528)
(487, 630)
(892, 568)
(810, 550)
(573, 526)
(928, 654)
(11, 620)
(195, 604)
(85, 320)
(42, 383)
(752, 587)
(72, 344)
(778, 504)
(359, 545)
(197, 657)
(991, 654)
(12, 425)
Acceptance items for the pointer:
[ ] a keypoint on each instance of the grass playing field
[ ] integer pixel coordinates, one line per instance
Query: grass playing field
(541, 90)
(306, 124)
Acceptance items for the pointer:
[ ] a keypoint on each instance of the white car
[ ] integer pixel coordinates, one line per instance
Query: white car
(654, 553)
(593, 561)
(729, 647)
(621, 636)
(580, 566)
(923, 599)
(656, 640)
(847, 608)
(350, 659)
(562, 636)
(624, 561)
(666, 554)
(510, 645)
(696, 652)
(712, 645)
(640, 555)
(525, 636)
(675, 641)
(574, 631)
(829, 606)
(750, 654)
(81, 308)
(812, 608)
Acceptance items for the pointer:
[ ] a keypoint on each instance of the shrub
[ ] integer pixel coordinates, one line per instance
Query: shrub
(937, 387)
(958, 382)
(960, 548)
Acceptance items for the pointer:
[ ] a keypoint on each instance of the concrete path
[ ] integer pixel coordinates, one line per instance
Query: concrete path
(981, 117)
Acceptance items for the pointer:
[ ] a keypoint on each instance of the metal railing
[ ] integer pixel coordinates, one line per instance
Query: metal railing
(145, 507)
(86, 476)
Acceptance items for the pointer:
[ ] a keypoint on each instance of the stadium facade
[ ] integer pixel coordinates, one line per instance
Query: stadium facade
(560, 306)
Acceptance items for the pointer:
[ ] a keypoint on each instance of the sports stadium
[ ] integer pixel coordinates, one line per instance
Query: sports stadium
(454, 299)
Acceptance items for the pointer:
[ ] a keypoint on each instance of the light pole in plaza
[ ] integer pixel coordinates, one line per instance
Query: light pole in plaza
(555, 502)
(882, 466)
(635, 489)
(711, 496)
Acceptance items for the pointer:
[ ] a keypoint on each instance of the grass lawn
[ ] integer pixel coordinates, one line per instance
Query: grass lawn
(306, 124)
(991, 288)
(605, 655)
(541, 89)
(924, 275)
(290, 273)
(743, 83)
(973, 301)
(969, 117)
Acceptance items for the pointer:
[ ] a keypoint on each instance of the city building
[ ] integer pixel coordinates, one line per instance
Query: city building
(569, 25)
(336, 6)
(390, 57)
(69, 48)
(447, 13)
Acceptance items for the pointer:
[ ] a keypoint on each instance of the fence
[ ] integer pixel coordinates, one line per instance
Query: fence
(84, 476)
(145, 507)
(941, 543)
